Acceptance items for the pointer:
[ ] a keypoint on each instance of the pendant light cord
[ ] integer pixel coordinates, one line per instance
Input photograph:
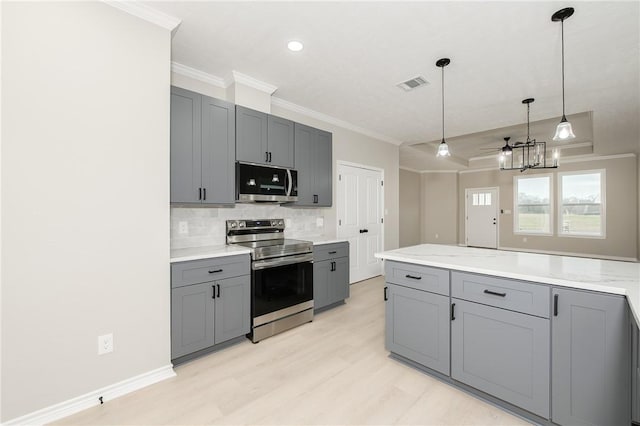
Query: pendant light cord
(528, 111)
(443, 104)
(562, 35)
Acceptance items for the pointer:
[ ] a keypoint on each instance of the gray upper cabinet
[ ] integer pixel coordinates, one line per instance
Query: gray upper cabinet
(503, 353)
(186, 146)
(280, 141)
(264, 138)
(590, 359)
(313, 160)
(218, 151)
(251, 136)
(202, 149)
(417, 326)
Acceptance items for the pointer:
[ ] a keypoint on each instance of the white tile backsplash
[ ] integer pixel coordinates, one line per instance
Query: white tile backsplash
(206, 226)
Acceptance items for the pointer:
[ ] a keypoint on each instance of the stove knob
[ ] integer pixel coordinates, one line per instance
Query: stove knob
(232, 225)
(281, 223)
(241, 224)
(274, 223)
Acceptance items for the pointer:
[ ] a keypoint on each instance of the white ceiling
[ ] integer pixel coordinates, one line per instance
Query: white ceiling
(501, 52)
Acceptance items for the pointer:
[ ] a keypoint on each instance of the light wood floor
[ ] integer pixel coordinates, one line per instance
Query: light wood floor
(334, 370)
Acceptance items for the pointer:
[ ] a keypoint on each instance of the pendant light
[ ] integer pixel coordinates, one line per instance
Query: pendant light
(443, 148)
(564, 131)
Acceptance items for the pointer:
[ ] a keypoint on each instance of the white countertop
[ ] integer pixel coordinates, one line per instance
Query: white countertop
(197, 253)
(606, 276)
(321, 241)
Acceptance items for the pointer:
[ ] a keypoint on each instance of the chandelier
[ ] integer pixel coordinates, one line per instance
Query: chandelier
(531, 154)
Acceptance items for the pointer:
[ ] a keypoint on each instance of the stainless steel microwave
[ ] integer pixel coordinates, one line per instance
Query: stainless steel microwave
(255, 183)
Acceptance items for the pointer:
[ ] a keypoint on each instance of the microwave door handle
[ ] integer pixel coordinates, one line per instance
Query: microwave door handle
(289, 183)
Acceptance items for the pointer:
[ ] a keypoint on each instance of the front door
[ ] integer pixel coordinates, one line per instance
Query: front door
(481, 225)
(359, 208)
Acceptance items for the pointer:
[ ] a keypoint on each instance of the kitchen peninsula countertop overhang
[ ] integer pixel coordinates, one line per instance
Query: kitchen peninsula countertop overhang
(605, 276)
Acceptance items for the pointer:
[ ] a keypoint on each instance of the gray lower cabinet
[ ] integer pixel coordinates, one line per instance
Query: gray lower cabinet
(263, 138)
(417, 326)
(503, 353)
(330, 274)
(204, 314)
(202, 149)
(313, 160)
(590, 359)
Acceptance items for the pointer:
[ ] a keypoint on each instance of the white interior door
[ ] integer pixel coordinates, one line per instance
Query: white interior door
(359, 208)
(481, 224)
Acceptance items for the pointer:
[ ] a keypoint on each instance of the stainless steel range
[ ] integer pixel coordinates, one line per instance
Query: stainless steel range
(281, 276)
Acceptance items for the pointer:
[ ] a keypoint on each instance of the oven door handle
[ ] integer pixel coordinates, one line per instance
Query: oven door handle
(289, 182)
(281, 261)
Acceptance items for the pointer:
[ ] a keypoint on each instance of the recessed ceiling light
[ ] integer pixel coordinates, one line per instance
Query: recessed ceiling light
(295, 46)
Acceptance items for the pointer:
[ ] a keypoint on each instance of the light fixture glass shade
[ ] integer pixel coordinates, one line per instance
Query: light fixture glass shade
(564, 132)
(443, 150)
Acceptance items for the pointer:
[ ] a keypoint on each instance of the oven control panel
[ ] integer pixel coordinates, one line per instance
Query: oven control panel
(275, 224)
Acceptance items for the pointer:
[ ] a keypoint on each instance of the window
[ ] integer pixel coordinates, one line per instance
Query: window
(532, 204)
(481, 199)
(581, 210)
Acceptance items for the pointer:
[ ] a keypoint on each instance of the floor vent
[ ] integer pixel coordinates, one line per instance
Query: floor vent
(414, 83)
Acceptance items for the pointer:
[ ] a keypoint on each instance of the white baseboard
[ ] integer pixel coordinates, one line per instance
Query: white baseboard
(90, 399)
(566, 253)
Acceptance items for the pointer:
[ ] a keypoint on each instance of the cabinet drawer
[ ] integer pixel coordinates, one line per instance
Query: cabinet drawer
(519, 296)
(419, 277)
(330, 251)
(200, 271)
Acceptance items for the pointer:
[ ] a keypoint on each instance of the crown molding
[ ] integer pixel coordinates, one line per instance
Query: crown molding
(440, 171)
(147, 13)
(187, 71)
(582, 159)
(252, 82)
(279, 102)
(410, 169)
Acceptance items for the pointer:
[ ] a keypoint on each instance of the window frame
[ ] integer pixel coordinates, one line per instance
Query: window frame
(516, 213)
(603, 204)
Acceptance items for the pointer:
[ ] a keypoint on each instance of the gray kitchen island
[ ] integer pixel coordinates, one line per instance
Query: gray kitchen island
(551, 338)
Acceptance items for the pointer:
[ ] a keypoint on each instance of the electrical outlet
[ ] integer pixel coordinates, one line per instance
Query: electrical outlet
(105, 344)
(437, 236)
(524, 239)
(183, 227)
(319, 222)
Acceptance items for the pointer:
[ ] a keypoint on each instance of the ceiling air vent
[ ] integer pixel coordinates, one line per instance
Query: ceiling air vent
(413, 83)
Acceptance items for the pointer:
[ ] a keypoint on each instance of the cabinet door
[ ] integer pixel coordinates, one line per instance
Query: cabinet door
(233, 308)
(503, 353)
(339, 280)
(417, 326)
(304, 161)
(321, 277)
(251, 135)
(590, 358)
(218, 151)
(323, 172)
(186, 177)
(280, 141)
(191, 319)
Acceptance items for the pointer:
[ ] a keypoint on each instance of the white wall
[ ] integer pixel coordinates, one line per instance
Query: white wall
(410, 208)
(84, 198)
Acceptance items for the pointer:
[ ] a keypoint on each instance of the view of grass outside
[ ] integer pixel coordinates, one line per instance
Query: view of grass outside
(581, 207)
(533, 222)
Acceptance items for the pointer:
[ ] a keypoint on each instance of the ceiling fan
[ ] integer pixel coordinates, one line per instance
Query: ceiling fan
(506, 149)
